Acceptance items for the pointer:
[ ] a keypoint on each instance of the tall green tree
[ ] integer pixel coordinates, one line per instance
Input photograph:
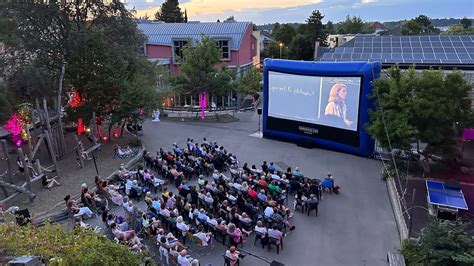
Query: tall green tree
(199, 72)
(422, 107)
(284, 34)
(441, 243)
(92, 46)
(301, 48)
(353, 25)
(170, 12)
(420, 25)
(330, 27)
(316, 30)
(250, 83)
(466, 23)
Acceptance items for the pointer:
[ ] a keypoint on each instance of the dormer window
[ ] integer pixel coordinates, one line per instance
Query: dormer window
(178, 46)
(223, 46)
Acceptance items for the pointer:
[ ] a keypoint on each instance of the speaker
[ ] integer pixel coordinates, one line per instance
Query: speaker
(259, 111)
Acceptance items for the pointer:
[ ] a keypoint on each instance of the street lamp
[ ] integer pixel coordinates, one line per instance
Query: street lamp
(281, 46)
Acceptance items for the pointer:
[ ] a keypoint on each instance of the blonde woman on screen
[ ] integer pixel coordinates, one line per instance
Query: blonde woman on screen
(337, 103)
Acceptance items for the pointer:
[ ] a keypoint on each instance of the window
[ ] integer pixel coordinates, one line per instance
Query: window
(223, 46)
(178, 50)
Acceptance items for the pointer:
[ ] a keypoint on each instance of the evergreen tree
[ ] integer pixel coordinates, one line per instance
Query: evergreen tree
(284, 34)
(170, 12)
(466, 23)
(316, 30)
(420, 25)
(301, 48)
(330, 27)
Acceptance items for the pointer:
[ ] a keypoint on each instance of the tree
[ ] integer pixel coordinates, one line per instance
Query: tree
(251, 82)
(466, 23)
(55, 245)
(284, 34)
(230, 19)
(272, 50)
(420, 25)
(198, 70)
(441, 243)
(420, 108)
(352, 25)
(170, 12)
(5, 106)
(301, 48)
(316, 30)
(458, 30)
(330, 27)
(99, 44)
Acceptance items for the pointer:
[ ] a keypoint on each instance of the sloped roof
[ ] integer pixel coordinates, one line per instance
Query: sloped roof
(432, 50)
(164, 33)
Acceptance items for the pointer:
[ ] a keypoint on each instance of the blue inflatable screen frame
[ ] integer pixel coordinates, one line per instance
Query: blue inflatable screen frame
(357, 142)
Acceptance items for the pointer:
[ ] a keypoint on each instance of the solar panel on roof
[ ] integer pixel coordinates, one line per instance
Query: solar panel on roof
(409, 49)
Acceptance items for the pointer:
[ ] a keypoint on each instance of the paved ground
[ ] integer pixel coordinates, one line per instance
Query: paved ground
(356, 227)
(72, 176)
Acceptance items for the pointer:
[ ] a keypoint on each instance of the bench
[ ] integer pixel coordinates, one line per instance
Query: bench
(394, 258)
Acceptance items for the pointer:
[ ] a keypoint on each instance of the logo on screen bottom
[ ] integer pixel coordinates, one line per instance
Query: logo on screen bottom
(308, 130)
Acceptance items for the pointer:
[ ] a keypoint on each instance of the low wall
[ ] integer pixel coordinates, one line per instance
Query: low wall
(397, 209)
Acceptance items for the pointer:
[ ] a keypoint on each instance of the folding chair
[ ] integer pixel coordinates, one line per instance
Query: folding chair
(275, 242)
(261, 237)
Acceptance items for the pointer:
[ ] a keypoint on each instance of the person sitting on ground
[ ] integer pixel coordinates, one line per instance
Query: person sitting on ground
(75, 209)
(49, 182)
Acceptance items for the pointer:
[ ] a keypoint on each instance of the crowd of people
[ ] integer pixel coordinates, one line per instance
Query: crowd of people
(228, 207)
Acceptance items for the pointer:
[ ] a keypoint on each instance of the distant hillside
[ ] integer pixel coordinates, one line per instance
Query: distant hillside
(437, 22)
(269, 27)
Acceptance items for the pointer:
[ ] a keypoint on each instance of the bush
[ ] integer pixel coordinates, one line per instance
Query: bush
(61, 247)
(441, 243)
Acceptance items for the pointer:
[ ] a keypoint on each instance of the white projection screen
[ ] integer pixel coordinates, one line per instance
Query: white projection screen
(322, 100)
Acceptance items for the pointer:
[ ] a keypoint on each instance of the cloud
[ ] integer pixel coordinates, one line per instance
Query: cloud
(284, 11)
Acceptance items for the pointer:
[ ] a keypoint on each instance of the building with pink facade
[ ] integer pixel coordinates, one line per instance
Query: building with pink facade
(165, 42)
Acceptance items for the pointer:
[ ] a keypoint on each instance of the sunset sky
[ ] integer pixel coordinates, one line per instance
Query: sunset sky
(269, 11)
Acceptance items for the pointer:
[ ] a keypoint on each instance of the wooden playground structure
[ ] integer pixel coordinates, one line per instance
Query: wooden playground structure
(47, 134)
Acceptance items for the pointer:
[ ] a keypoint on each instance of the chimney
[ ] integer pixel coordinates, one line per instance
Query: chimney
(316, 46)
